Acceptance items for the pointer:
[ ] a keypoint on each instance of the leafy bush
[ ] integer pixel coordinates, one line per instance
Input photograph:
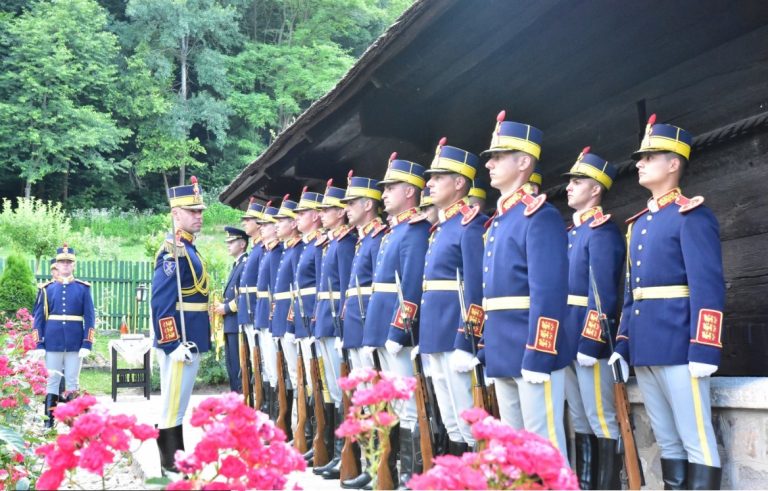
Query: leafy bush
(17, 285)
(34, 226)
(212, 372)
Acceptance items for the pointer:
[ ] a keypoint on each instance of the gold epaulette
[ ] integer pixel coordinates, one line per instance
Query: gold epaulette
(181, 251)
(83, 282)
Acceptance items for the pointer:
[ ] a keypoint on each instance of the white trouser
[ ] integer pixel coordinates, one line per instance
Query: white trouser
(69, 362)
(453, 391)
(332, 367)
(268, 357)
(576, 411)
(290, 353)
(596, 386)
(401, 365)
(177, 379)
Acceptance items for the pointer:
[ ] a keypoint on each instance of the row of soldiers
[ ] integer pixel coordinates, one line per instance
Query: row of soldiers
(517, 299)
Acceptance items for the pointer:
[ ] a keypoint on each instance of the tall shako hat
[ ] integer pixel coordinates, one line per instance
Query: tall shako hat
(593, 166)
(309, 200)
(333, 196)
(426, 198)
(477, 190)
(188, 197)
(270, 212)
(287, 208)
(536, 177)
(361, 187)
(510, 136)
(65, 253)
(664, 138)
(255, 209)
(403, 171)
(452, 159)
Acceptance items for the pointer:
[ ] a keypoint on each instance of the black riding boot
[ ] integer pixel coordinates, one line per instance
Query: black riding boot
(406, 456)
(457, 448)
(309, 431)
(288, 418)
(673, 473)
(334, 471)
(586, 460)
(169, 440)
(703, 476)
(50, 403)
(328, 440)
(609, 464)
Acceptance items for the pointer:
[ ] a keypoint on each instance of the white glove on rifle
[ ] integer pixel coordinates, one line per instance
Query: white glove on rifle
(461, 361)
(392, 347)
(699, 370)
(535, 377)
(181, 354)
(367, 353)
(624, 365)
(585, 360)
(289, 337)
(83, 353)
(414, 352)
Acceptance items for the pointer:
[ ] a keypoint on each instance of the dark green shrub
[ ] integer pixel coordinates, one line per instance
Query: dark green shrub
(17, 285)
(212, 372)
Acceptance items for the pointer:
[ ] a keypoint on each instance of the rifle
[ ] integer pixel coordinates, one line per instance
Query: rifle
(258, 384)
(350, 464)
(627, 444)
(479, 392)
(321, 457)
(300, 437)
(425, 432)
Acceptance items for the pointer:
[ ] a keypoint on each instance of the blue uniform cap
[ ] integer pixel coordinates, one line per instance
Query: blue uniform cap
(426, 198)
(270, 212)
(403, 171)
(536, 177)
(255, 210)
(452, 159)
(287, 208)
(333, 196)
(509, 136)
(65, 253)
(361, 187)
(478, 190)
(595, 167)
(664, 138)
(235, 234)
(187, 197)
(309, 200)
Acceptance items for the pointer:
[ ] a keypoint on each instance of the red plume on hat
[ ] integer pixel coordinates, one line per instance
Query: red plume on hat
(329, 184)
(349, 176)
(392, 157)
(195, 189)
(652, 119)
(499, 118)
(286, 197)
(269, 203)
(440, 145)
(584, 152)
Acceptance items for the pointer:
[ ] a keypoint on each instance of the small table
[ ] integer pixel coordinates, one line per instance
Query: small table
(135, 350)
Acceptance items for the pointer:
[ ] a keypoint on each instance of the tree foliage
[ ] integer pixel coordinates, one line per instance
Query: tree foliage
(17, 285)
(34, 226)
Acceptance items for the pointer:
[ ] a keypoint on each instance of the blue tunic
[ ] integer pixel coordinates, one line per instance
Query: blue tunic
(677, 247)
(268, 266)
(594, 242)
(402, 249)
(337, 261)
(246, 302)
(366, 251)
(166, 316)
(307, 274)
(282, 312)
(525, 257)
(231, 295)
(64, 317)
(455, 244)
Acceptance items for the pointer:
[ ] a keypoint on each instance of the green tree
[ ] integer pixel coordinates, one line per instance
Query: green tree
(17, 285)
(56, 90)
(34, 226)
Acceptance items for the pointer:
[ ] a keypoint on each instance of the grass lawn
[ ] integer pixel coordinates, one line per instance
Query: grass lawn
(99, 381)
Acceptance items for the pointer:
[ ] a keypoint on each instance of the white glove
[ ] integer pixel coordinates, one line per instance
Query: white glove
(535, 377)
(699, 370)
(289, 337)
(624, 365)
(414, 352)
(585, 360)
(461, 361)
(311, 340)
(36, 354)
(83, 352)
(367, 352)
(393, 347)
(181, 354)
(338, 344)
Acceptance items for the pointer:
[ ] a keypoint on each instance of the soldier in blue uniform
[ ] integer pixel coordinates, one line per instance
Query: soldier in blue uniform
(267, 277)
(427, 208)
(363, 200)
(283, 315)
(477, 194)
(182, 331)
(237, 244)
(388, 328)
(594, 245)
(246, 302)
(334, 281)
(671, 322)
(535, 181)
(447, 346)
(64, 327)
(525, 279)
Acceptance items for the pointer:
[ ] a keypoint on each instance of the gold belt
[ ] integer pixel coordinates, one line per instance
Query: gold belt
(440, 285)
(364, 290)
(327, 296)
(385, 287)
(249, 289)
(262, 294)
(660, 292)
(282, 296)
(192, 307)
(71, 318)
(506, 303)
(578, 300)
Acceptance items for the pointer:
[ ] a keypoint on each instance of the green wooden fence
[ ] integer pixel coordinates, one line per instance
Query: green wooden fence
(114, 287)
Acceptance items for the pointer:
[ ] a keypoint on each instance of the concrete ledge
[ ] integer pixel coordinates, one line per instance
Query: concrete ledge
(726, 392)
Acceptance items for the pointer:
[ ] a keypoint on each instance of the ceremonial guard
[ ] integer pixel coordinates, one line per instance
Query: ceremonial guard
(535, 181)
(451, 328)
(246, 303)
(283, 316)
(671, 322)
(64, 327)
(477, 194)
(525, 280)
(334, 280)
(427, 208)
(363, 200)
(308, 273)
(182, 330)
(390, 326)
(54, 270)
(595, 252)
(267, 279)
(237, 244)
